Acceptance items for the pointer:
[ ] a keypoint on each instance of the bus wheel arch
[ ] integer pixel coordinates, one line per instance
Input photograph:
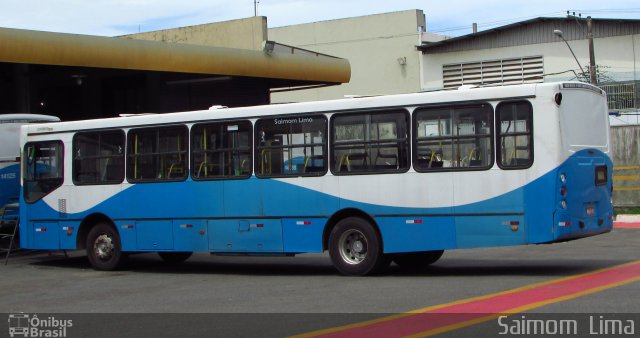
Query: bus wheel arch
(86, 225)
(104, 247)
(100, 238)
(340, 215)
(355, 243)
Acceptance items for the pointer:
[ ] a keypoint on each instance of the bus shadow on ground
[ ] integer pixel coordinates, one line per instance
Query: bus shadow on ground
(321, 265)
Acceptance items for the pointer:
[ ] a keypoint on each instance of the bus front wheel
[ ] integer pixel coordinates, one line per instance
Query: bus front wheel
(356, 248)
(104, 249)
(417, 260)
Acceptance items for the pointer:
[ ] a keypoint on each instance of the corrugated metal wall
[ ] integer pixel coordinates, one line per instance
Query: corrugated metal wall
(537, 31)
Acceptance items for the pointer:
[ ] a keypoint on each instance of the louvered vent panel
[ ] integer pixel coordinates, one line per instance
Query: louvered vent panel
(494, 72)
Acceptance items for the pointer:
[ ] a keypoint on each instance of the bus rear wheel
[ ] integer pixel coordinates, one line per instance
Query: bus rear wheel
(356, 248)
(174, 257)
(417, 260)
(104, 249)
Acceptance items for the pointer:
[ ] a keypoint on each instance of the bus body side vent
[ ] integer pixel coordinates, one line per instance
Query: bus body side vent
(62, 207)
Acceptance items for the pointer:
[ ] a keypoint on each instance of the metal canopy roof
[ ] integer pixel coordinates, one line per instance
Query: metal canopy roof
(47, 48)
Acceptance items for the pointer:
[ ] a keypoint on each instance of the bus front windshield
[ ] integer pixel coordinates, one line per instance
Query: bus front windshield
(43, 169)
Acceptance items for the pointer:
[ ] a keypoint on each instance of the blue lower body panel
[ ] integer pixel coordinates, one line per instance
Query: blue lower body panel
(273, 216)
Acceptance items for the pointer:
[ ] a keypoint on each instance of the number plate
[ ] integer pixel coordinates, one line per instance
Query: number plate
(591, 211)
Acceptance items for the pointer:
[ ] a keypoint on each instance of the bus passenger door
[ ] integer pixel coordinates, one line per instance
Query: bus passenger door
(248, 235)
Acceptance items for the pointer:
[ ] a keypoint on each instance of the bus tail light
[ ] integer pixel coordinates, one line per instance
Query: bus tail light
(563, 191)
(564, 224)
(563, 204)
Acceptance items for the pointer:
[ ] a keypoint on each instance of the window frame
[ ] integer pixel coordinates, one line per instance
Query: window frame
(370, 112)
(123, 157)
(499, 135)
(192, 150)
(26, 165)
(325, 154)
(129, 162)
(451, 138)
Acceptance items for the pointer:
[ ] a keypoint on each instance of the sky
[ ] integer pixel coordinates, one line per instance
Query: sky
(119, 17)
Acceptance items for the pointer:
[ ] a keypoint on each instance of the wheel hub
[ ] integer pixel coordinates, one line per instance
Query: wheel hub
(103, 247)
(353, 246)
(357, 246)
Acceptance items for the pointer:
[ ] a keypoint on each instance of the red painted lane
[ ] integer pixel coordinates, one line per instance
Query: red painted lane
(447, 317)
(626, 225)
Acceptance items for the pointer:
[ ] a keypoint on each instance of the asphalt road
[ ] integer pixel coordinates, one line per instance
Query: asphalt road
(277, 296)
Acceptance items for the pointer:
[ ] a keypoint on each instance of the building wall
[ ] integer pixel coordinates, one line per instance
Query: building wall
(618, 58)
(380, 48)
(243, 33)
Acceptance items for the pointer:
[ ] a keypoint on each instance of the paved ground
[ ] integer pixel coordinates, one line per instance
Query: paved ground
(282, 296)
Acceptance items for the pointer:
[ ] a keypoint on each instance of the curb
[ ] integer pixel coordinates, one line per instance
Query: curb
(628, 219)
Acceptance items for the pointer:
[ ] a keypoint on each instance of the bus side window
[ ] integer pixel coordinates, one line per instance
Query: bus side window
(291, 146)
(98, 157)
(221, 150)
(453, 138)
(514, 134)
(370, 142)
(157, 154)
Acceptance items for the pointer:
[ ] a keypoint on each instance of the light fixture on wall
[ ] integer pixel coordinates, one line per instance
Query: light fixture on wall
(268, 46)
(79, 78)
(402, 60)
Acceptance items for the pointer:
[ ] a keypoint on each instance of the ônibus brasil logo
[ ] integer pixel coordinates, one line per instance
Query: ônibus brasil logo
(25, 325)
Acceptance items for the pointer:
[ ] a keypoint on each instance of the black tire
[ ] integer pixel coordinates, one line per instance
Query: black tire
(417, 260)
(356, 248)
(174, 257)
(104, 249)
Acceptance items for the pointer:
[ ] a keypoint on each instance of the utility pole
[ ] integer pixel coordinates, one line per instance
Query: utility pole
(255, 7)
(592, 57)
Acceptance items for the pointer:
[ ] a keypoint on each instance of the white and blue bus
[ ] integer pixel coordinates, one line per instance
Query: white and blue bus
(9, 157)
(371, 180)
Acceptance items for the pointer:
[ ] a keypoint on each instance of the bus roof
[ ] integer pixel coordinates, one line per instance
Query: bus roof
(348, 104)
